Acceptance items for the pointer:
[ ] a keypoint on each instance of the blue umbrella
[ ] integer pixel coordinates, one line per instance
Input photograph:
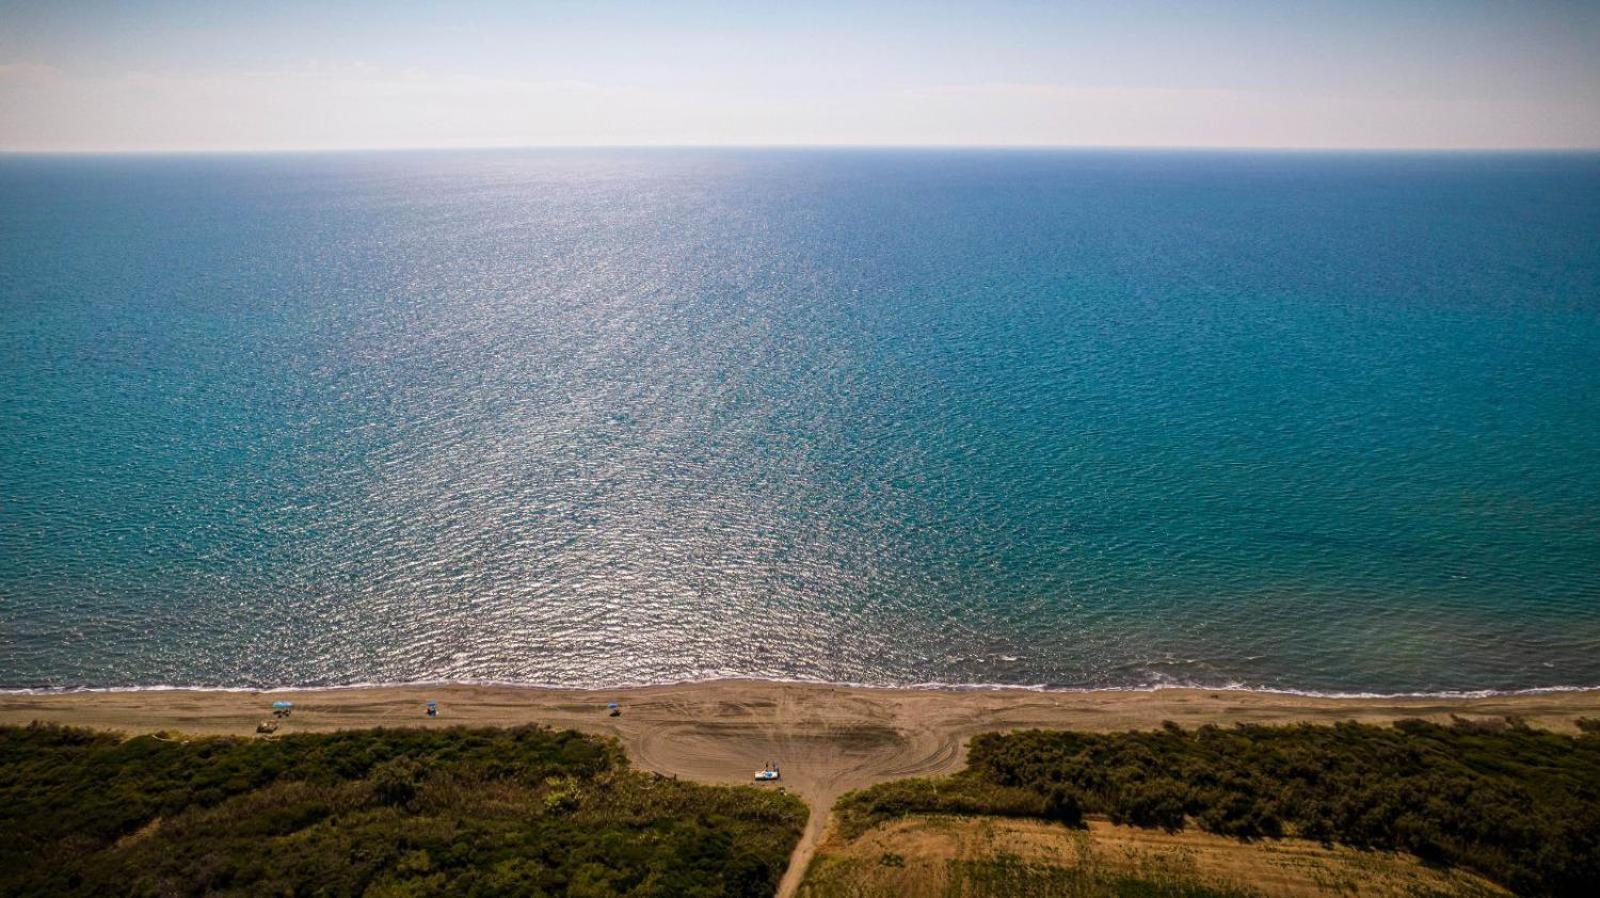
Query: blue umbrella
(282, 706)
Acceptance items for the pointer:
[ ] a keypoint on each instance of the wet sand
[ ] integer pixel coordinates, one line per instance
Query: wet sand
(827, 739)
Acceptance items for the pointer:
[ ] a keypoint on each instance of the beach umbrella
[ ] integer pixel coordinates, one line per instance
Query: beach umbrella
(613, 706)
(282, 706)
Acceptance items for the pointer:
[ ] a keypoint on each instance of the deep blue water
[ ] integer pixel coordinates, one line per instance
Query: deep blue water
(1309, 421)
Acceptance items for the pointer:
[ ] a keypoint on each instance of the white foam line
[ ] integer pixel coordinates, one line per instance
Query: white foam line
(928, 686)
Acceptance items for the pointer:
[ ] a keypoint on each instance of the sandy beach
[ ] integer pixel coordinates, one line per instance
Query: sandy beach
(827, 739)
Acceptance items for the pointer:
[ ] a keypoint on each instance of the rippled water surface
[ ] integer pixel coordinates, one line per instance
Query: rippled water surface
(1324, 422)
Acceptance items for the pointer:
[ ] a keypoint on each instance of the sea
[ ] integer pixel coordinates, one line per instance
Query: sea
(1068, 419)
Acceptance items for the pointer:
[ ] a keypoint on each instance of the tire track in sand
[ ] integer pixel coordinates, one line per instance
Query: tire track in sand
(825, 749)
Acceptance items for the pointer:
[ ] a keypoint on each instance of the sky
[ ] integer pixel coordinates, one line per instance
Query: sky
(100, 76)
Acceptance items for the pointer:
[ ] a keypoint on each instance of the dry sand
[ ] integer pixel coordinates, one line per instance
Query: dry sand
(828, 739)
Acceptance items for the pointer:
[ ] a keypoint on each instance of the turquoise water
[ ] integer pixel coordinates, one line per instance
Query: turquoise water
(1081, 419)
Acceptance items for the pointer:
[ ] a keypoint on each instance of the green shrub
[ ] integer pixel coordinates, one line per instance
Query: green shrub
(394, 782)
(1064, 805)
(523, 811)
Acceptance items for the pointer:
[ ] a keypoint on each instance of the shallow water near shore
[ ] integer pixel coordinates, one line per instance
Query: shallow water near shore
(1321, 422)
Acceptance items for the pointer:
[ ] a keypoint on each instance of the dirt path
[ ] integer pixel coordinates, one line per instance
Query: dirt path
(828, 740)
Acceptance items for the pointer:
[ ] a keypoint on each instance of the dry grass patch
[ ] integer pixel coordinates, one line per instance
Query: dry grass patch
(987, 856)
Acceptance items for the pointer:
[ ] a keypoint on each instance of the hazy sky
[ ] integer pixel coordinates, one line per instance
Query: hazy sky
(238, 74)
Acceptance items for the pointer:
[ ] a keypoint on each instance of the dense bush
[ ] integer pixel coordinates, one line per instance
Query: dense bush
(524, 811)
(1518, 805)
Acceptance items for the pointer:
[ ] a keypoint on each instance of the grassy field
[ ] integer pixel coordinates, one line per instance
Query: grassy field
(995, 857)
(1518, 806)
(522, 811)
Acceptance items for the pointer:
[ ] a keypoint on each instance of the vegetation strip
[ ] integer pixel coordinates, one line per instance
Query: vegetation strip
(520, 811)
(1517, 805)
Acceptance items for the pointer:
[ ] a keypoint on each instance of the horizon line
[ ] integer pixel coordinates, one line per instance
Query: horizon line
(1192, 148)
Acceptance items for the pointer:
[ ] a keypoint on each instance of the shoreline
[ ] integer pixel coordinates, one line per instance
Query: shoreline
(932, 686)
